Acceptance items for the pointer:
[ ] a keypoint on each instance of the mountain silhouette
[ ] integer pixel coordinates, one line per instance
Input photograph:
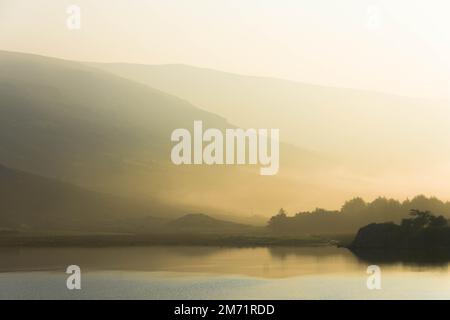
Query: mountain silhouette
(75, 123)
(34, 203)
(203, 223)
(370, 132)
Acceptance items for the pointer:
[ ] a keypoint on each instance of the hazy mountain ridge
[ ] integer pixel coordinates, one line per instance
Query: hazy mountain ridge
(36, 204)
(199, 222)
(373, 141)
(63, 120)
(31, 203)
(328, 119)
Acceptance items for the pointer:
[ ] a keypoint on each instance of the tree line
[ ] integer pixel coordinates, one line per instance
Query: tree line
(355, 214)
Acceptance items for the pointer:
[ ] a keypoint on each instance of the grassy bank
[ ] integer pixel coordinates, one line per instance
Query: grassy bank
(102, 240)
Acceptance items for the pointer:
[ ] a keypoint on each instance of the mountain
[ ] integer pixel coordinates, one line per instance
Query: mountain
(34, 203)
(75, 123)
(65, 120)
(203, 223)
(379, 141)
(105, 129)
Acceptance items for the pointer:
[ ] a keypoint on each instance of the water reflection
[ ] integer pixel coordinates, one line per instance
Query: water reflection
(437, 258)
(259, 262)
(275, 262)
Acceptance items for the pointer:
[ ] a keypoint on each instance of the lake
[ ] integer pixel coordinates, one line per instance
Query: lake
(212, 273)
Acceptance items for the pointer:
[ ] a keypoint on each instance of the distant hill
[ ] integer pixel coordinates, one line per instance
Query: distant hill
(203, 223)
(64, 120)
(33, 203)
(329, 119)
(75, 123)
(105, 129)
(378, 142)
(37, 204)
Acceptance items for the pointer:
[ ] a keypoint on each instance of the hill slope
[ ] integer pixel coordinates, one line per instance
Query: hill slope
(373, 132)
(34, 203)
(65, 120)
(204, 223)
(377, 142)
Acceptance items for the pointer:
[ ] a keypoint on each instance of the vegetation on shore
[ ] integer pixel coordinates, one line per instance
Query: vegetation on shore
(353, 215)
(423, 231)
(191, 239)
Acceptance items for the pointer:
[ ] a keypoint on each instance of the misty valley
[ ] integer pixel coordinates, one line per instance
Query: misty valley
(114, 168)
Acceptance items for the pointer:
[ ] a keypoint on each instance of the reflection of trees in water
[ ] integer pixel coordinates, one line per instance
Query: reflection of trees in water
(413, 258)
(193, 251)
(310, 252)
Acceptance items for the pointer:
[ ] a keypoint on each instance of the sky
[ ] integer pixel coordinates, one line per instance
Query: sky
(397, 46)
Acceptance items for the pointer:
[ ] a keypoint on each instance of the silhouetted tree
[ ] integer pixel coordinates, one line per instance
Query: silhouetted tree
(355, 206)
(423, 219)
(278, 221)
(357, 213)
(438, 222)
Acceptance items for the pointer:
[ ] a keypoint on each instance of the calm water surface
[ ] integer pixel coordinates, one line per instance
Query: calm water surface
(212, 273)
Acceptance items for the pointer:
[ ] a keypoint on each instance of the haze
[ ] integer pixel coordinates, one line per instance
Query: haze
(321, 42)
(345, 138)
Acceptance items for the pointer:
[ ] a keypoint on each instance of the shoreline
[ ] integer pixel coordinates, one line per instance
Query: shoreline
(222, 240)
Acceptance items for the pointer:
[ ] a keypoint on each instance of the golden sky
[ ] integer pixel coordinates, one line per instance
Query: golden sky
(405, 51)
